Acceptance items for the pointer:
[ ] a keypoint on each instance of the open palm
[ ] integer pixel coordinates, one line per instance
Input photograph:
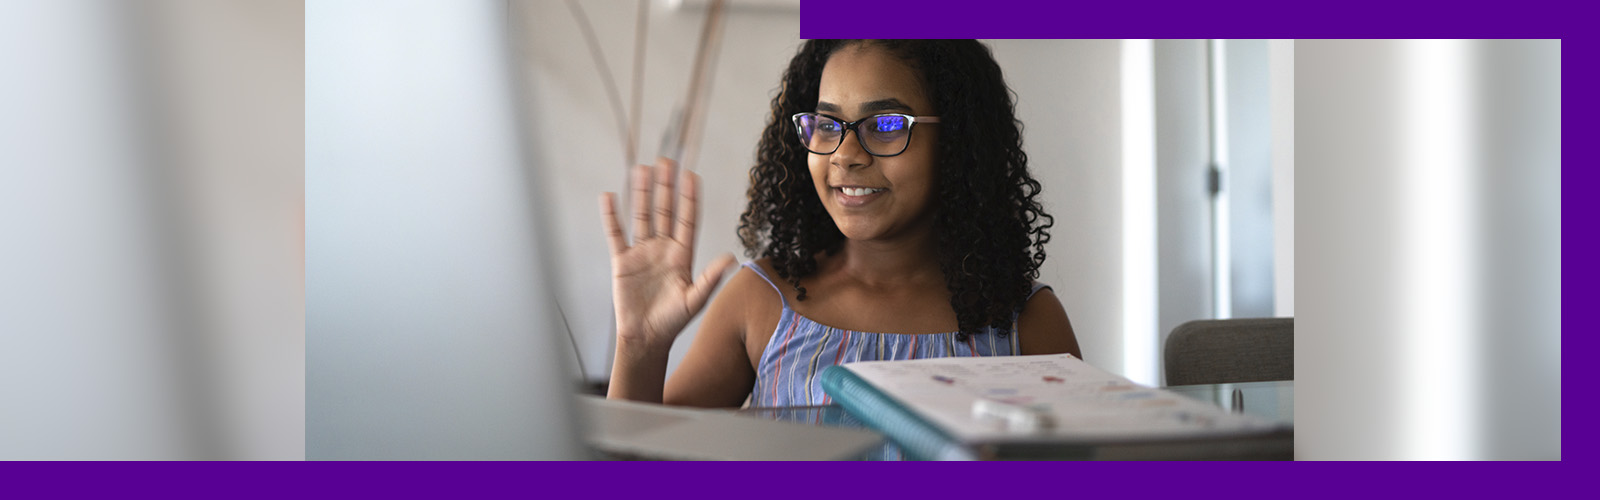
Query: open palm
(653, 285)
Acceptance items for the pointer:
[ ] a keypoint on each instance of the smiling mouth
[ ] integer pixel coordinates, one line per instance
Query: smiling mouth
(860, 191)
(856, 196)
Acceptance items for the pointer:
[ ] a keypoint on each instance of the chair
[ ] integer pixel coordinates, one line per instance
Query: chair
(1219, 351)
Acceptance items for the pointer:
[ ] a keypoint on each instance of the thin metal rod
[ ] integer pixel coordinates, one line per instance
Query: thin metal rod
(604, 69)
(700, 83)
(635, 111)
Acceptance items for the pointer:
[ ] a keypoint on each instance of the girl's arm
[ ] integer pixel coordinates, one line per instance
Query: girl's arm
(653, 286)
(719, 370)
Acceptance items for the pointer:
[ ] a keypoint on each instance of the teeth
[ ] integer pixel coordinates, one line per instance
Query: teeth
(859, 191)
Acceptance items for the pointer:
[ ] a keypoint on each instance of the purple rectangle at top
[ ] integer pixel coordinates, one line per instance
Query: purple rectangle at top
(1185, 19)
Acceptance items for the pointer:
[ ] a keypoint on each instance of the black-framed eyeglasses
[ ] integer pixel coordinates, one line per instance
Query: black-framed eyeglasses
(880, 135)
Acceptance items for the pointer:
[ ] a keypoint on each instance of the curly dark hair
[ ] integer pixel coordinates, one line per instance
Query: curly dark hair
(991, 230)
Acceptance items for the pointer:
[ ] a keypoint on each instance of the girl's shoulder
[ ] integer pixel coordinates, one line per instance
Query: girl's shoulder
(752, 293)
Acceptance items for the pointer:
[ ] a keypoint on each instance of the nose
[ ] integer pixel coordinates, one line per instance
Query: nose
(850, 154)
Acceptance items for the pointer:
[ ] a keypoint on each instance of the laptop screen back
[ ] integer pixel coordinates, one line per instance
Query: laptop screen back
(430, 330)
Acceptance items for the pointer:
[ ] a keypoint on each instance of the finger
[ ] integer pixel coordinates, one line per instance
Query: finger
(708, 280)
(641, 203)
(688, 209)
(608, 216)
(666, 178)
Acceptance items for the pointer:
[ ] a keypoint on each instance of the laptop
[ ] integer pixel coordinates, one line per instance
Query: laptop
(431, 331)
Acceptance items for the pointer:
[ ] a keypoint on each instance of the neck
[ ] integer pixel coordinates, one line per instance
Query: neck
(889, 263)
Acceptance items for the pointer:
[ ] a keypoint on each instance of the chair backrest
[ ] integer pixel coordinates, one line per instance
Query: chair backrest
(1217, 351)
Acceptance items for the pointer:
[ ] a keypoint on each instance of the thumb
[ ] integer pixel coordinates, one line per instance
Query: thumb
(708, 281)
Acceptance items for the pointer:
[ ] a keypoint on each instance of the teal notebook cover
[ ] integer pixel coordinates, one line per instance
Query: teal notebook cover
(920, 439)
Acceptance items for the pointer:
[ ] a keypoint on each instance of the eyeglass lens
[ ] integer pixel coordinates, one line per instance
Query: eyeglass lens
(882, 135)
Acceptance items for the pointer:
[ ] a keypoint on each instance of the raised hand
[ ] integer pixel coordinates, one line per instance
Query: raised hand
(653, 285)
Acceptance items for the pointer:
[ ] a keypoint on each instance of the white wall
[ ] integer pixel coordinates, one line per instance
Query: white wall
(1069, 100)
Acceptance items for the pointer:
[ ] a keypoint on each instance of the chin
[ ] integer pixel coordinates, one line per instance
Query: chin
(856, 232)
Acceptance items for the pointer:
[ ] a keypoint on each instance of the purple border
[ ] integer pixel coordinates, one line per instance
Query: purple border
(987, 19)
(912, 480)
(1576, 205)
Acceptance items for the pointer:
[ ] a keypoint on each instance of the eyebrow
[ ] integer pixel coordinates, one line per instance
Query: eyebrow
(890, 104)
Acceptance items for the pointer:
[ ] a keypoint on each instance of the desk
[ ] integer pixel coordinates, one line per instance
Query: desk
(1271, 400)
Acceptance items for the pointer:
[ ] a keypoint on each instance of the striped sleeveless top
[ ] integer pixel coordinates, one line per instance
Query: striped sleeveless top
(800, 348)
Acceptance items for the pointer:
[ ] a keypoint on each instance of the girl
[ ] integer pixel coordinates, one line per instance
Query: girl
(891, 216)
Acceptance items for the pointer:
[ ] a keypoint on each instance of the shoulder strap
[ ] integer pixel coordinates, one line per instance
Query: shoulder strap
(757, 268)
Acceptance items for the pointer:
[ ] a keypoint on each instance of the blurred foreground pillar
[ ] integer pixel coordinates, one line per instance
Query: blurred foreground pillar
(152, 299)
(1429, 246)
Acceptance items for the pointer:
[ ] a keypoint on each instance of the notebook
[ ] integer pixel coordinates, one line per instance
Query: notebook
(1048, 406)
